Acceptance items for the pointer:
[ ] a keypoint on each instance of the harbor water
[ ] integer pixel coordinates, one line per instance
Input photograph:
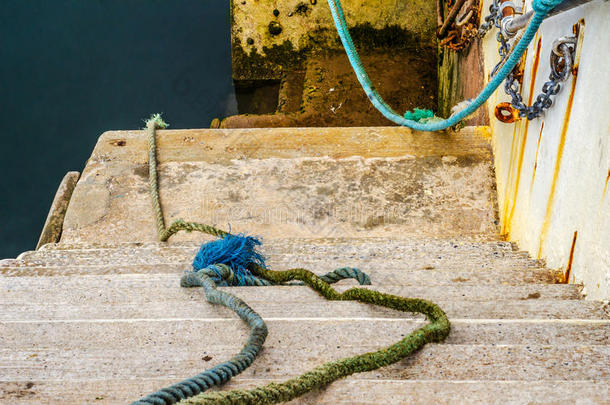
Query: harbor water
(73, 69)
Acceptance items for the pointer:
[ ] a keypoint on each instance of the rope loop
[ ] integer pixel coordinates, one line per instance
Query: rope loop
(233, 260)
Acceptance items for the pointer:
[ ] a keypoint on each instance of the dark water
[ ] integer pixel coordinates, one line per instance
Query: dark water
(70, 70)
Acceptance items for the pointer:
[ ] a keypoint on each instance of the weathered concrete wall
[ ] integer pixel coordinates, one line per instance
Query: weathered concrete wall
(270, 36)
(276, 183)
(553, 172)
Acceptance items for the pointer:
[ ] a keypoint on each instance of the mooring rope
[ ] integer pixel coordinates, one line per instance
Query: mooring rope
(233, 260)
(541, 9)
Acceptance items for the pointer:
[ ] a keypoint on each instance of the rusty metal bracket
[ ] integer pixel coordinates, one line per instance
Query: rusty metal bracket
(506, 113)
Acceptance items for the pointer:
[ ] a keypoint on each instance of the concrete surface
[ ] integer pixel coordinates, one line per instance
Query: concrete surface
(328, 94)
(99, 317)
(331, 185)
(51, 231)
(306, 26)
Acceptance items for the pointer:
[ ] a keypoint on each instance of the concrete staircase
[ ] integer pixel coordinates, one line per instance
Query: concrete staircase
(99, 317)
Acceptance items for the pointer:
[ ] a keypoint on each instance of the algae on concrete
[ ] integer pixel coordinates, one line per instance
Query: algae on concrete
(261, 50)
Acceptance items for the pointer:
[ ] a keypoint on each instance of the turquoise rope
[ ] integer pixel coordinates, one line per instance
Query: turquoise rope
(541, 9)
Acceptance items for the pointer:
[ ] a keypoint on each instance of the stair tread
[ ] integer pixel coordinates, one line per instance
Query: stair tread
(93, 300)
(286, 260)
(364, 249)
(137, 287)
(350, 391)
(387, 274)
(289, 359)
(291, 243)
(82, 334)
(387, 261)
(223, 145)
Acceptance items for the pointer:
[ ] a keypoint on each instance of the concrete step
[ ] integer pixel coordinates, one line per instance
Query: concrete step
(111, 299)
(165, 333)
(388, 262)
(368, 249)
(349, 391)
(363, 260)
(289, 182)
(137, 287)
(290, 359)
(312, 244)
(383, 274)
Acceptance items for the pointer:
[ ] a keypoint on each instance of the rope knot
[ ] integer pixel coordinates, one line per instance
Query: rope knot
(238, 252)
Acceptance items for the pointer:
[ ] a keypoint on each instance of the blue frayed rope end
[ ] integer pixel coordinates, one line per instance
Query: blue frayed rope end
(238, 252)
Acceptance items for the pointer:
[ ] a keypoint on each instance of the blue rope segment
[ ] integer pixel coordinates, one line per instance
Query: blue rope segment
(541, 9)
(222, 372)
(225, 262)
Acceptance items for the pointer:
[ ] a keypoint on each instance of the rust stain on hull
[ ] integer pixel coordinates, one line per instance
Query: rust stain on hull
(606, 186)
(505, 206)
(578, 30)
(566, 277)
(562, 142)
(509, 220)
(536, 157)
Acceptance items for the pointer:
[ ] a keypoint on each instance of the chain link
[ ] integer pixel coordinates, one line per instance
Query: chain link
(490, 20)
(561, 60)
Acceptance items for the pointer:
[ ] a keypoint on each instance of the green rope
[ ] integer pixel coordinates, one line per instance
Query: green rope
(435, 331)
(156, 122)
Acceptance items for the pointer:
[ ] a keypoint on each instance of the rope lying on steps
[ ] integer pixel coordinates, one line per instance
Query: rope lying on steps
(234, 260)
(541, 9)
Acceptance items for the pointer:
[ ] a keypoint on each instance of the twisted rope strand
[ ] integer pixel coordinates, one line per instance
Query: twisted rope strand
(222, 372)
